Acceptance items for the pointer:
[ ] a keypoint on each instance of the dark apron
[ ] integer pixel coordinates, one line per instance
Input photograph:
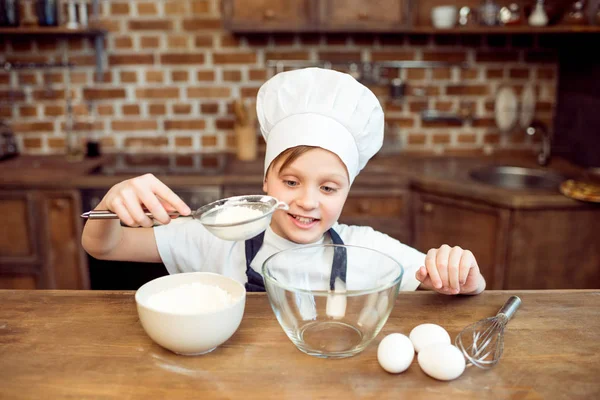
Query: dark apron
(255, 280)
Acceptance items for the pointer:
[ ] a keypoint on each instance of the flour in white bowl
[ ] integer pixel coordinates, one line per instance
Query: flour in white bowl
(191, 298)
(235, 214)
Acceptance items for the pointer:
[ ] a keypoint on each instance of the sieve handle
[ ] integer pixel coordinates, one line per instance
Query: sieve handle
(282, 205)
(510, 307)
(105, 214)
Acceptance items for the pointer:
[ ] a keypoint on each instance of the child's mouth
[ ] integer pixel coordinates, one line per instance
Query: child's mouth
(303, 222)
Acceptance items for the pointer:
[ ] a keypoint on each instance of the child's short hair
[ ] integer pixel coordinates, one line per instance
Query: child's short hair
(321, 108)
(288, 156)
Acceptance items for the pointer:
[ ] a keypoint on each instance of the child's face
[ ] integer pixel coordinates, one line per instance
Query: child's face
(315, 185)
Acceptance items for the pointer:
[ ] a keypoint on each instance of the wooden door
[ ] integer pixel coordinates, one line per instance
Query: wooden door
(20, 255)
(476, 227)
(268, 15)
(65, 265)
(554, 249)
(360, 15)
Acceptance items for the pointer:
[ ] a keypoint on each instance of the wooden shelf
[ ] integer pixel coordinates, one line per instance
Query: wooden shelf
(51, 31)
(97, 34)
(519, 29)
(430, 30)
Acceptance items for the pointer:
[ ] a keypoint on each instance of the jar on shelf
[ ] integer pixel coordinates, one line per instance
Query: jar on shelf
(47, 12)
(510, 15)
(488, 13)
(538, 16)
(575, 15)
(9, 13)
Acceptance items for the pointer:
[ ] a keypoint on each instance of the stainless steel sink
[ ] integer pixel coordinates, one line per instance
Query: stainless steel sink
(518, 178)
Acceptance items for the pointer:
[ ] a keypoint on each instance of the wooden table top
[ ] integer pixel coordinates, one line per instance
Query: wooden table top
(86, 344)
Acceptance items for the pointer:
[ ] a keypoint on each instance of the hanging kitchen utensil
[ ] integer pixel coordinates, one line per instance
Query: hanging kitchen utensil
(397, 89)
(74, 146)
(506, 109)
(528, 101)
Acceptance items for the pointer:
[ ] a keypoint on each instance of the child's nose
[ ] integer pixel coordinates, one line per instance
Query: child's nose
(308, 200)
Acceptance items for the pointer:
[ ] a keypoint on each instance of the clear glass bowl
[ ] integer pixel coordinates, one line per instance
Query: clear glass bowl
(325, 317)
(212, 216)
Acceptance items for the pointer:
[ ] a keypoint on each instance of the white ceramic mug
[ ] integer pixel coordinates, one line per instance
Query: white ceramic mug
(444, 17)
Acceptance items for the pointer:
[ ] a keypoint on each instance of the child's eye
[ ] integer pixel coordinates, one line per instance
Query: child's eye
(328, 189)
(290, 183)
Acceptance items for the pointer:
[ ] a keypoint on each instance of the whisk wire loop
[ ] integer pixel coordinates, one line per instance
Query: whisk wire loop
(482, 342)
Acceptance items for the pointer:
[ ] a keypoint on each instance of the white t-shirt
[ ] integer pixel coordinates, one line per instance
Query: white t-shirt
(185, 245)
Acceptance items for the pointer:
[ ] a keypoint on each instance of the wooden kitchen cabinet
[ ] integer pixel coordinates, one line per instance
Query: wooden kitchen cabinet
(554, 249)
(482, 229)
(389, 16)
(19, 247)
(40, 241)
(314, 15)
(269, 15)
(515, 248)
(359, 15)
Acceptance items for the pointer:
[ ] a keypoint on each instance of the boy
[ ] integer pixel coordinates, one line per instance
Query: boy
(321, 127)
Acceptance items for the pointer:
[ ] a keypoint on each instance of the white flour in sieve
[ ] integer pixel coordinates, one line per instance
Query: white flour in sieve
(235, 214)
(240, 222)
(191, 298)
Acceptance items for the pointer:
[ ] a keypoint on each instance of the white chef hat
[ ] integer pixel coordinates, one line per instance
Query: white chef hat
(323, 108)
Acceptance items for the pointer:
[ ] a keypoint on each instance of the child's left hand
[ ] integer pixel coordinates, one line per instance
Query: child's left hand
(451, 270)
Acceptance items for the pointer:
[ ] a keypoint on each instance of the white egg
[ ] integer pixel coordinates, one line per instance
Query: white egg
(395, 353)
(427, 334)
(442, 361)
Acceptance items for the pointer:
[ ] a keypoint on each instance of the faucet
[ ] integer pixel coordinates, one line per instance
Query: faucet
(543, 157)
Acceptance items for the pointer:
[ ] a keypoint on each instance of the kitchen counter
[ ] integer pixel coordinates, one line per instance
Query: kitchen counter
(447, 175)
(86, 344)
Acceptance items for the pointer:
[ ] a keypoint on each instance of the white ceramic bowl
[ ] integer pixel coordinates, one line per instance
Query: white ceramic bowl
(444, 17)
(191, 333)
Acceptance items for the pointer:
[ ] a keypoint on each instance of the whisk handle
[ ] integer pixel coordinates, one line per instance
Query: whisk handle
(510, 307)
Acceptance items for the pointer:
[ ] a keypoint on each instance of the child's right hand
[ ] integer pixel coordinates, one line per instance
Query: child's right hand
(127, 199)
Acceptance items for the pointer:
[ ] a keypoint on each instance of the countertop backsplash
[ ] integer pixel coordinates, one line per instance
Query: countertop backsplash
(172, 75)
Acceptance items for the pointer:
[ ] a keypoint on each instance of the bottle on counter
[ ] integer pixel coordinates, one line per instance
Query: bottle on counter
(92, 145)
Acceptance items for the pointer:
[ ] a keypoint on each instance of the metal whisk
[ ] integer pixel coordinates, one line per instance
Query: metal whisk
(482, 343)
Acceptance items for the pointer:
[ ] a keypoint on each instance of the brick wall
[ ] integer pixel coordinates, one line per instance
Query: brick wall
(173, 73)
